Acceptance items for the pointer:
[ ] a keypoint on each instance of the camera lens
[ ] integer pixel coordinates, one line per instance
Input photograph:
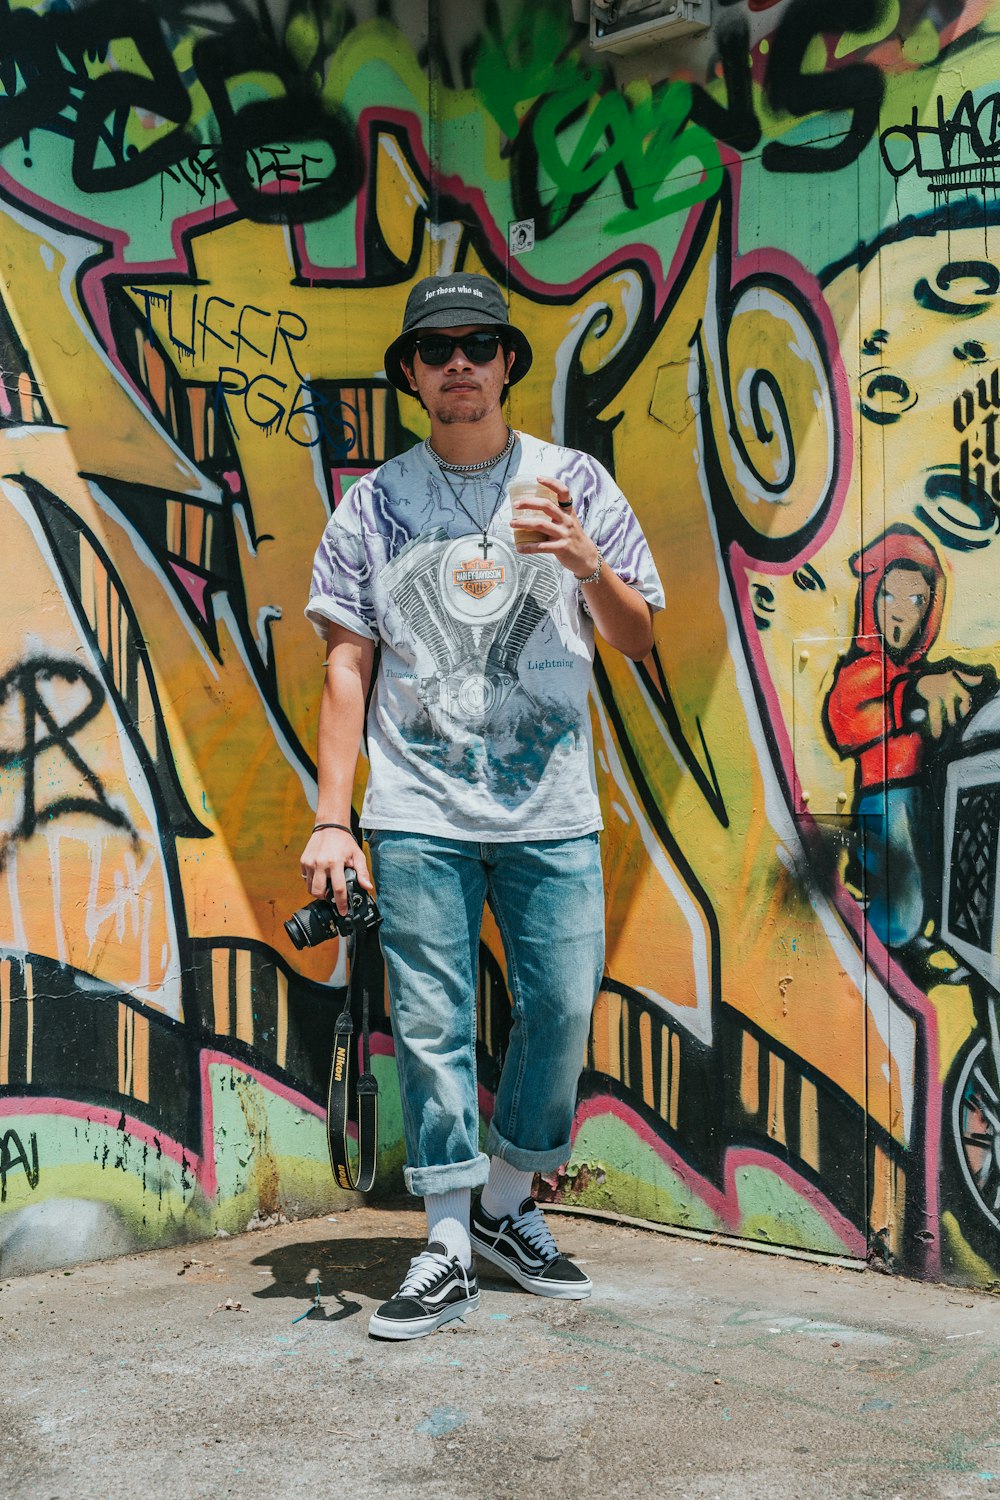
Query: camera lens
(312, 924)
(297, 933)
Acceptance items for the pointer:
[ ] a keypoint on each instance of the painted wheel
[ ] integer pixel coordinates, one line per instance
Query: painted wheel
(975, 1136)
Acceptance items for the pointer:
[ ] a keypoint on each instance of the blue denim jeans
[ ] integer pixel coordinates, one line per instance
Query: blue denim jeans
(895, 831)
(548, 900)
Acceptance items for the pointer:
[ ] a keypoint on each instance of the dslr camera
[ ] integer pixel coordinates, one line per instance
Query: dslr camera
(321, 920)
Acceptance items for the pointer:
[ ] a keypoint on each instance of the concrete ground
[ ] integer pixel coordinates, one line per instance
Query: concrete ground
(695, 1370)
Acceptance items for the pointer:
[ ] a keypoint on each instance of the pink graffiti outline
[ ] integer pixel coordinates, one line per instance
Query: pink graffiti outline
(208, 1179)
(200, 1166)
(724, 1203)
(13, 1105)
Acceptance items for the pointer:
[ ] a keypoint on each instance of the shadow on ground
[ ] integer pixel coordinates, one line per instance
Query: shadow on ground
(347, 1269)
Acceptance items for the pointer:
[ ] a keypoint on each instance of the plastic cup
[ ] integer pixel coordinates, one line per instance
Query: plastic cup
(522, 492)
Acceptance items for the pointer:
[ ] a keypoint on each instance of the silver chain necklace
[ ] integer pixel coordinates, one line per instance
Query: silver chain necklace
(479, 468)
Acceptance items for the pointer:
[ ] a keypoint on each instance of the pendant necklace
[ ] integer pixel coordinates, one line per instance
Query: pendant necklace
(477, 472)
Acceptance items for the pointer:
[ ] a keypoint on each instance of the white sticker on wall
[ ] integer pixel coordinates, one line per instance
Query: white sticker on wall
(521, 237)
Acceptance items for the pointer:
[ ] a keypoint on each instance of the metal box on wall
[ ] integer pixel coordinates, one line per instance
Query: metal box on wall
(633, 24)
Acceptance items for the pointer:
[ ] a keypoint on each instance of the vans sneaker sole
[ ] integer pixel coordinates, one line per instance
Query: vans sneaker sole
(415, 1328)
(564, 1291)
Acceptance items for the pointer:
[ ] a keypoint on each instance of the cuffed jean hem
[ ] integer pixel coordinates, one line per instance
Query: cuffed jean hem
(526, 1161)
(422, 1181)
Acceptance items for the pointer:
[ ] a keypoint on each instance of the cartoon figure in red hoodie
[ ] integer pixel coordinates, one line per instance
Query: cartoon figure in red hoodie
(886, 703)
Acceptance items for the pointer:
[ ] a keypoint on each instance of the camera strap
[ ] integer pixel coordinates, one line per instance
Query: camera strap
(344, 1059)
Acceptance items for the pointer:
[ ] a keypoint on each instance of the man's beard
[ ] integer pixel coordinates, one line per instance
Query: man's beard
(448, 416)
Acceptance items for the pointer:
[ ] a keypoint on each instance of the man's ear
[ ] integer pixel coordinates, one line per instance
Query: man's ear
(510, 357)
(408, 372)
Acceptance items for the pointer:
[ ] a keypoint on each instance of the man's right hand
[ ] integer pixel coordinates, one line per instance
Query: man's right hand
(947, 697)
(328, 853)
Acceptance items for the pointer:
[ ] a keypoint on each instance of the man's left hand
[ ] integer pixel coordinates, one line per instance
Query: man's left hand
(568, 543)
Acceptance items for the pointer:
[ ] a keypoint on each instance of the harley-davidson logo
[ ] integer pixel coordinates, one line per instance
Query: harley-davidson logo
(478, 578)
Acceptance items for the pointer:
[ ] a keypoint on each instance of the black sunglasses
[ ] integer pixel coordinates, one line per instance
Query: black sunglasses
(437, 348)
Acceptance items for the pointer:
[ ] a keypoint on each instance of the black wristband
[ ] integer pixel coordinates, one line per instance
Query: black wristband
(342, 826)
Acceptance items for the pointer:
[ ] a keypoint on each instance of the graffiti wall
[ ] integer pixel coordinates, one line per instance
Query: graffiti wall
(760, 268)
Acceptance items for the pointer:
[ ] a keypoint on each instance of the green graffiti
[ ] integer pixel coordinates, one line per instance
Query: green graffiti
(581, 130)
(518, 68)
(648, 141)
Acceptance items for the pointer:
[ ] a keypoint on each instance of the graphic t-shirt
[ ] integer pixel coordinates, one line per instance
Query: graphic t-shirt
(479, 726)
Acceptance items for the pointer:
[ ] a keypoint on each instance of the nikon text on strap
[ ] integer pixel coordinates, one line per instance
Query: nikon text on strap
(340, 1074)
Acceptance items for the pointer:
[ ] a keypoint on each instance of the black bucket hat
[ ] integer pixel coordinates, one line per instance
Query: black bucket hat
(450, 302)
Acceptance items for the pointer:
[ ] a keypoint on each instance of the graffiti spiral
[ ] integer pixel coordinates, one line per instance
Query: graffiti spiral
(760, 267)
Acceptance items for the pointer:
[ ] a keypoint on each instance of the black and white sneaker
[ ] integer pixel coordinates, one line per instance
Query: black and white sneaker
(436, 1289)
(522, 1245)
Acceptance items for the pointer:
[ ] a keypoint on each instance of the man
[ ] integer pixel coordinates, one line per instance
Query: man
(886, 701)
(481, 781)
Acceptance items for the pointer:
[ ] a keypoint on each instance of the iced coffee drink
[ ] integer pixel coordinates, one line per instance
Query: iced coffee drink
(522, 493)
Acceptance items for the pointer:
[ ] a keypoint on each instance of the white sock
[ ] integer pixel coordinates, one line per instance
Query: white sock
(506, 1189)
(448, 1222)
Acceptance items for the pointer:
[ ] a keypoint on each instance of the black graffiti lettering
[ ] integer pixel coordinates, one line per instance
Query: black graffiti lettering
(48, 69)
(180, 344)
(763, 605)
(236, 335)
(207, 331)
(266, 165)
(267, 412)
(299, 115)
(305, 414)
(288, 336)
(34, 80)
(979, 460)
(116, 94)
(309, 411)
(988, 396)
(984, 276)
(13, 1155)
(735, 122)
(152, 298)
(64, 72)
(334, 421)
(808, 579)
(243, 339)
(199, 170)
(962, 502)
(307, 419)
(279, 164)
(964, 411)
(49, 725)
(260, 408)
(231, 382)
(857, 88)
(275, 163)
(950, 153)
